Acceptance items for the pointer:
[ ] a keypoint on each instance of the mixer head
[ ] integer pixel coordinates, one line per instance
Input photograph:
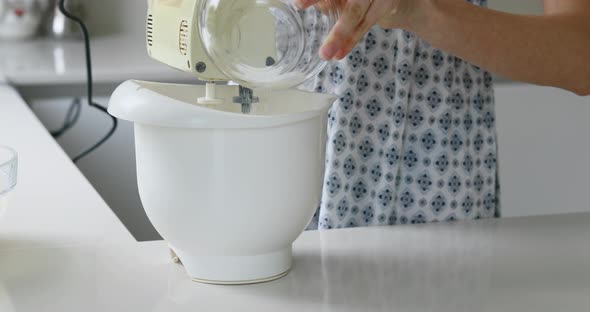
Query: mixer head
(173, 38)
(269, 44)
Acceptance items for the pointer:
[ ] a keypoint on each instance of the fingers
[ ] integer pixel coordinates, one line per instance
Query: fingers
(370, 19)
(350, 44)
(345, 31)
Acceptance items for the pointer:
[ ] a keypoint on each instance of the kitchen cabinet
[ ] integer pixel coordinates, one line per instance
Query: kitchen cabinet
(111, 168)
(49, 73)
(52, 205)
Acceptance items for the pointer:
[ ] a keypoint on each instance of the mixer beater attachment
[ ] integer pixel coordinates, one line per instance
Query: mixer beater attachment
(246, 98)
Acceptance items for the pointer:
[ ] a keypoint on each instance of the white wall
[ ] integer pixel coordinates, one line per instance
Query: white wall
(544, 150)
(116, 16)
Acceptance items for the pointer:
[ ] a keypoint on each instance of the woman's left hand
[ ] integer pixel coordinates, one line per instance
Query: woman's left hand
(356, 18)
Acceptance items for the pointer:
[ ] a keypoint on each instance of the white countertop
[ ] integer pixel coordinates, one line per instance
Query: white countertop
(53, 62)
(525, 264)
(53, 204)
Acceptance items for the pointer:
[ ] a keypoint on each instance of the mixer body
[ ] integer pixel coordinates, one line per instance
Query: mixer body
(173, 38)
(257, 44)
(229, 192)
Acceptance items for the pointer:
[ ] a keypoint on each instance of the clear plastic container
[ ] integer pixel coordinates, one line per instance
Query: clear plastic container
(268, 44)
(8, 172)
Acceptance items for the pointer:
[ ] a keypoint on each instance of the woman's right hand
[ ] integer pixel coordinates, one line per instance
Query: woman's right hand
(356, 18)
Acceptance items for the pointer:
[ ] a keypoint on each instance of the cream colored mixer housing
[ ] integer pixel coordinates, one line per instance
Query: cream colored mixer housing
(173, 38)
(171, 31)
(228, 191)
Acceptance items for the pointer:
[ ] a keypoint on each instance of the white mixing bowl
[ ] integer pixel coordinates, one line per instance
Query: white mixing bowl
(229, 192)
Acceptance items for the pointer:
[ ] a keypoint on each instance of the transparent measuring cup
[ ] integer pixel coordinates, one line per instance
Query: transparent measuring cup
(8, 174)
(270, 44)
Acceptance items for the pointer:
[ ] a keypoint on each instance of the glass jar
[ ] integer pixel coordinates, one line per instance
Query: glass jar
(269, 44)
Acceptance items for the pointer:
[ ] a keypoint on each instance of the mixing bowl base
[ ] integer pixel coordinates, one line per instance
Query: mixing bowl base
(257, 281)
(237, 270)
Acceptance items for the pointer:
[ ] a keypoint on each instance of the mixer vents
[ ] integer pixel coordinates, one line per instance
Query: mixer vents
(150, 30)
(183, 37)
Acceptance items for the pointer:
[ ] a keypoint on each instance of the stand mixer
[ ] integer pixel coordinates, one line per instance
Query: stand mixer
(259, 44)
(230, 175)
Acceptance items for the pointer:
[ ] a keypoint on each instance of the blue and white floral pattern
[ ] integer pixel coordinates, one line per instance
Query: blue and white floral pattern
(412, 137)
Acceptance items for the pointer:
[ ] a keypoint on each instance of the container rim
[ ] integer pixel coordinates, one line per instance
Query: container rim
(13, 155)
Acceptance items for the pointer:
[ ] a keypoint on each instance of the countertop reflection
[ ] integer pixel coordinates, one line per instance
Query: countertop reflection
(53, 62)
(525, 264)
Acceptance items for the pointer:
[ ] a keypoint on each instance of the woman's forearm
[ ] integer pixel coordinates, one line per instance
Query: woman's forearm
(547, 50)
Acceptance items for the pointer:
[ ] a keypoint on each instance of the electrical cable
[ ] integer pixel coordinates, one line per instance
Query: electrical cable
(86, 37)
(71, 119)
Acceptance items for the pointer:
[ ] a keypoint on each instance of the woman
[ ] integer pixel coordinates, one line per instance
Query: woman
(412, 136)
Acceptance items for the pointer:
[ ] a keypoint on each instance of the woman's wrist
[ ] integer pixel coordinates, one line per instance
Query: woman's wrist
(438, 21)
(416, 16)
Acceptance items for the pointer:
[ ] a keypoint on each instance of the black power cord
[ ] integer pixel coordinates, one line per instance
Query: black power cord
(86, 36)
(71, 118)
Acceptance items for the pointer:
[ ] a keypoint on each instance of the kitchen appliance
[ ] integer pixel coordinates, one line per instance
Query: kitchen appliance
(20, 19)
(230, 175)
(61, 27)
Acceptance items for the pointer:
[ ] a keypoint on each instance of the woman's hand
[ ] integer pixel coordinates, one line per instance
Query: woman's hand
(356, 18)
